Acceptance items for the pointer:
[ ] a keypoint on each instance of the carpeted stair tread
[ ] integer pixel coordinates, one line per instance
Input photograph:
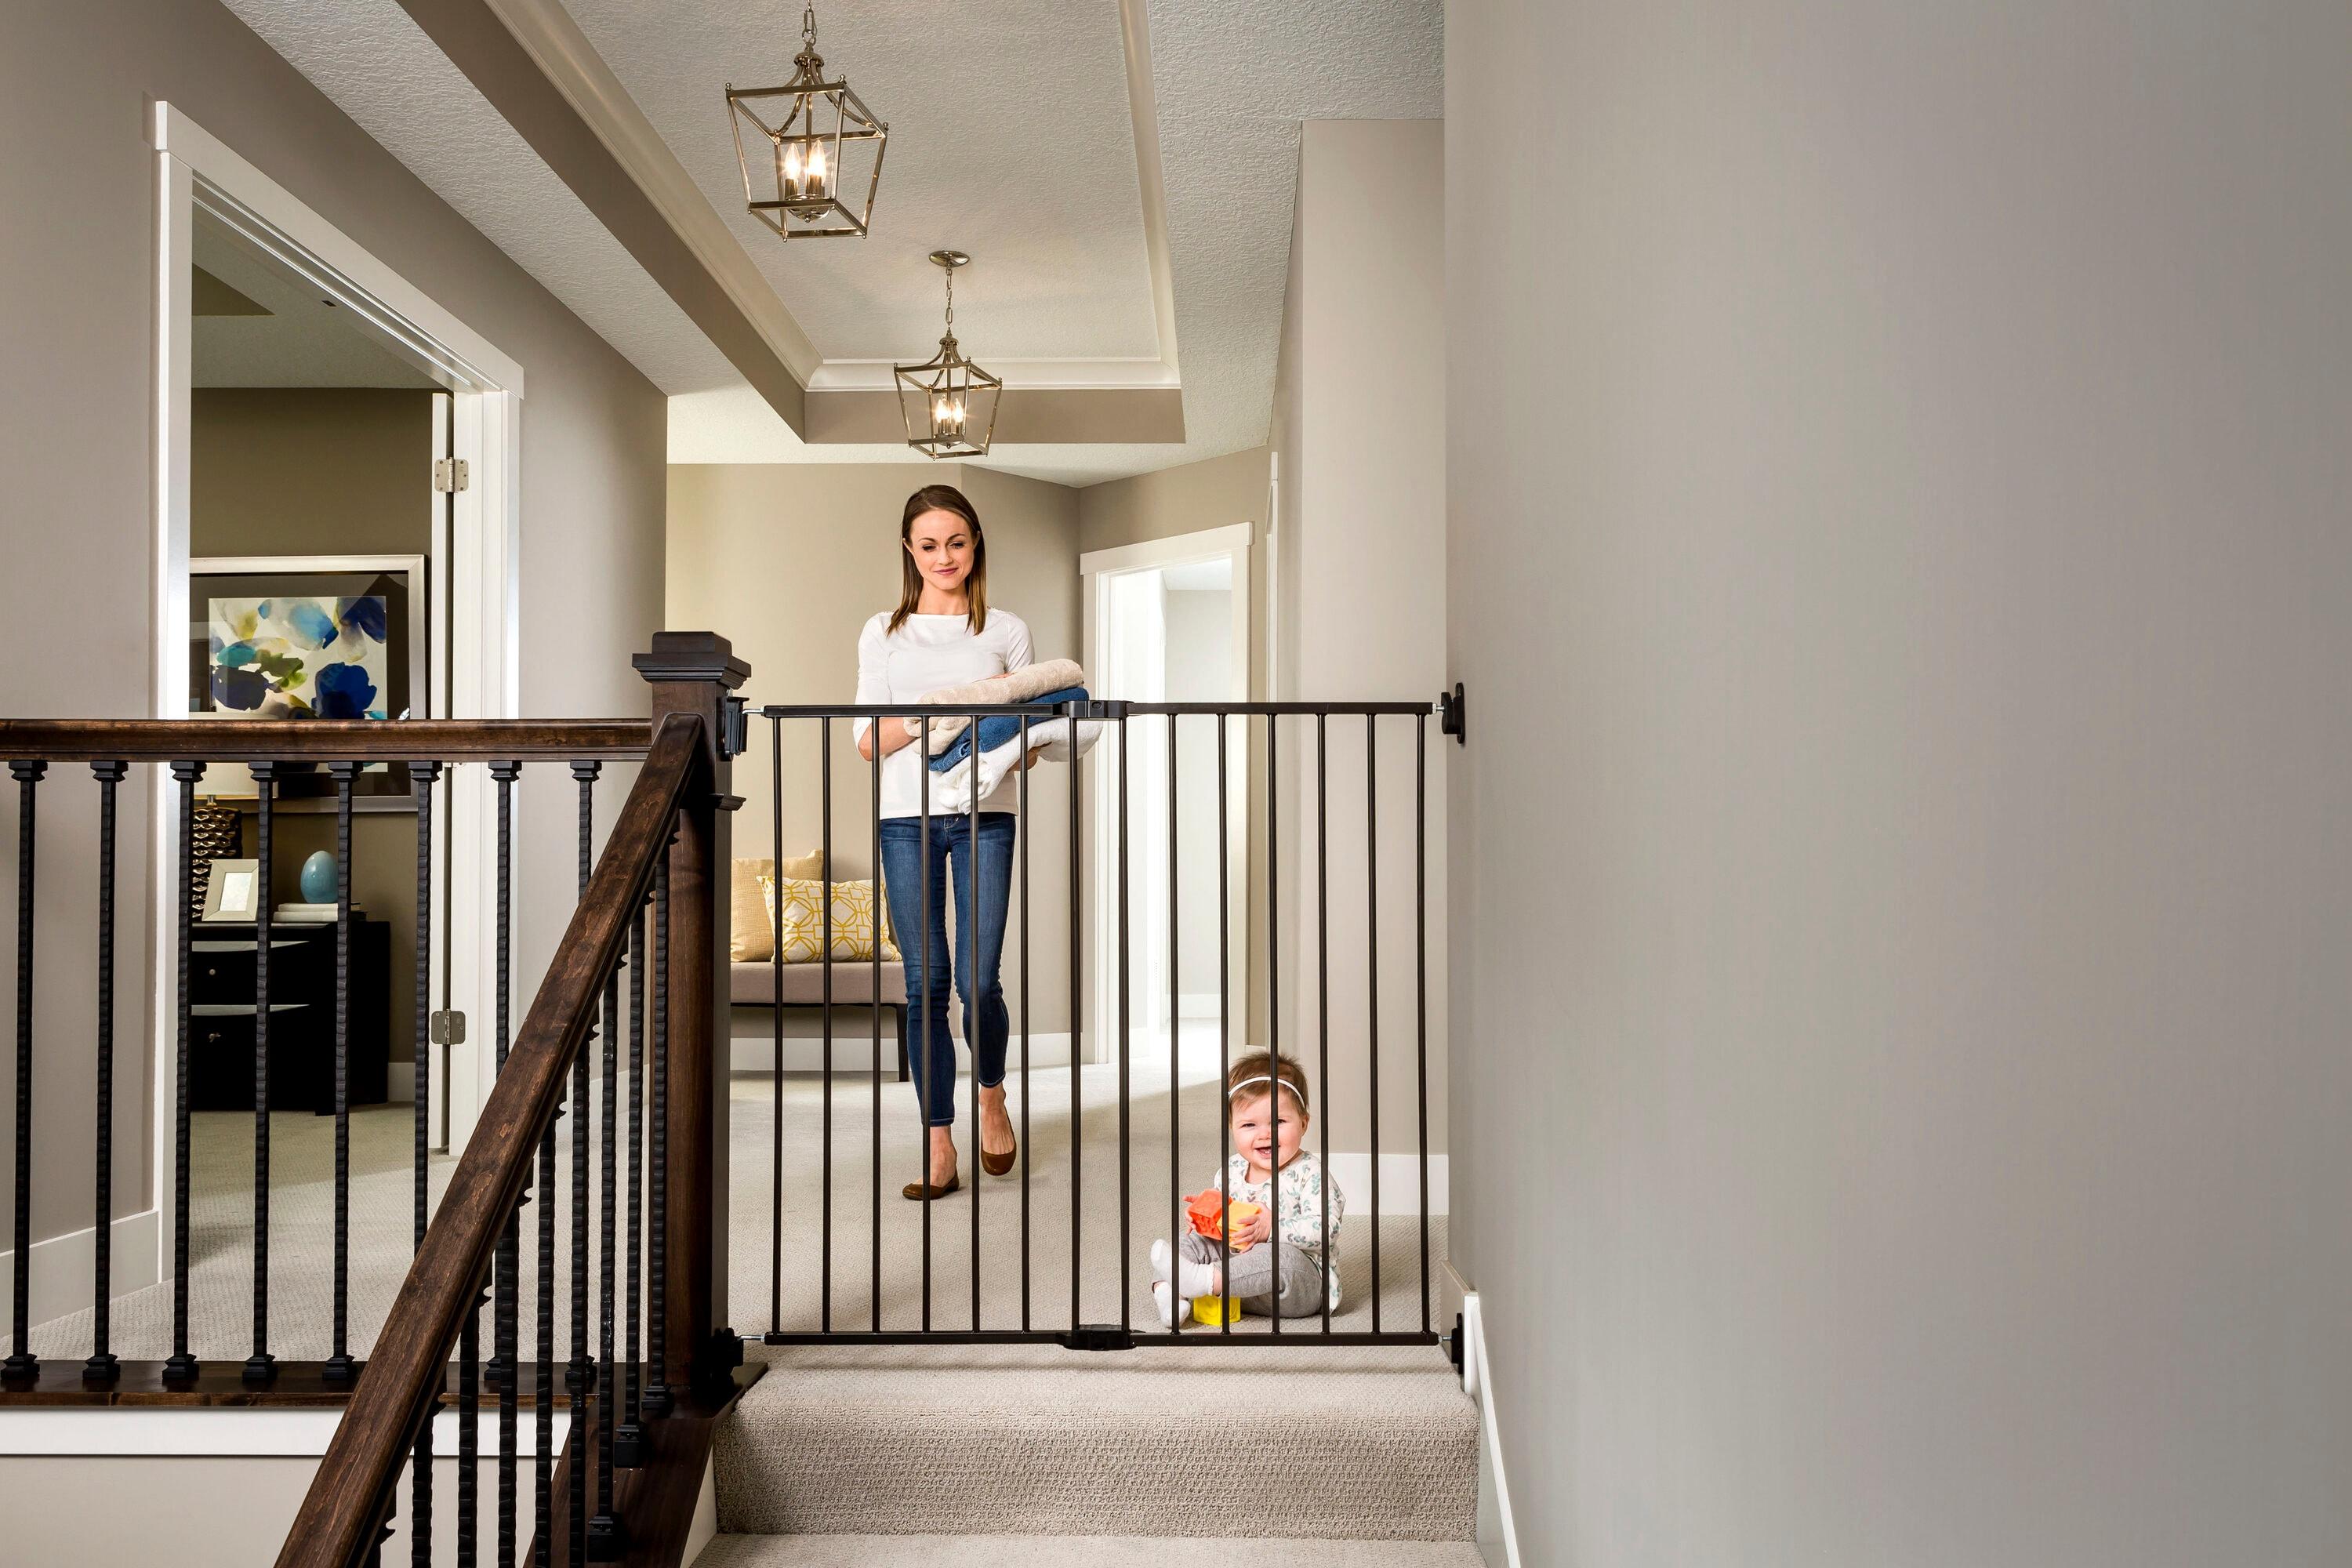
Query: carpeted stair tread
(1074, 1551)
(1323, 1444)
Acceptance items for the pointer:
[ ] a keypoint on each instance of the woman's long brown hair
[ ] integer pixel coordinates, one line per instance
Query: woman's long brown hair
(941, 497)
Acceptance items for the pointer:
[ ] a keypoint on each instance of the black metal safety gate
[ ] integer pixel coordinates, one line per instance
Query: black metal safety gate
(1264, 720)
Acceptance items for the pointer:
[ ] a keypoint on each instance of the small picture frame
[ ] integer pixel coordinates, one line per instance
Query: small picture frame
(234, 894)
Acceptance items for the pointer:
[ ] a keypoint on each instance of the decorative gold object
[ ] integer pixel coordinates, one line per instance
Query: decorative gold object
(948, 397)
(819, 127)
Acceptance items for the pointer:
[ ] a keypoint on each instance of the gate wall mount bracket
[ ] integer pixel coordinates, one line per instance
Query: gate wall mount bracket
(1452, 715)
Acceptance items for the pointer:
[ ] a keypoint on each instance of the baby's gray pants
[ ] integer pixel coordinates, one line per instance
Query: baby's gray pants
(1250, 1278)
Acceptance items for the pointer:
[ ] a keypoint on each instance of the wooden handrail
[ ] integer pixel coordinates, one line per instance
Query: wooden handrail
(351, 1496)
(321, 739)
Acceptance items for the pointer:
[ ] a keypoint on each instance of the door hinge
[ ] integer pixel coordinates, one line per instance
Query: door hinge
(450, 1028)
(450, 475)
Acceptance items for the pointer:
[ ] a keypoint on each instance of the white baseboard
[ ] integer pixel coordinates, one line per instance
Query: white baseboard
(1498, 1536)
(1399, 1182)
(61, 1269)
(400, 1084)
(854, 1054)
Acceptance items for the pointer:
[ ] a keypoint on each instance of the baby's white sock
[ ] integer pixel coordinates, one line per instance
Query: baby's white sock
(1159, 1298)
(1192, 1279)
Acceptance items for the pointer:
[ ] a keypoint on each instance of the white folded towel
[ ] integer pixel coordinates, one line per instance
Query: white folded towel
(1031, 680)
(951, 790)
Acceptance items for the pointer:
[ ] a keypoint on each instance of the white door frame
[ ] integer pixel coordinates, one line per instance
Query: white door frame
(475, 594)
(1095, 569)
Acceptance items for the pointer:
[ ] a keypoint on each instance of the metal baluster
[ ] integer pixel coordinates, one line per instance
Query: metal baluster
(584, 774)
(1224, 1029)
(182, 1367)
(261, 1366)
(1125, 1287)
(1323, 980)
(656, 1400)
(1175, 1037)
(23, 1365)
(504, 1370)
(923, 1031)
(874, 1255)
(1372, 978)
(101, 1366)
(341, 1367)
(629, 1443)
(421, 777)
(1274, 1008)
(776, 1018)
(974, 1006)
(579, 1372)
(604, 1537)
(1021, 837)
(824, 1099)
(1420, 979)
(469, 1421)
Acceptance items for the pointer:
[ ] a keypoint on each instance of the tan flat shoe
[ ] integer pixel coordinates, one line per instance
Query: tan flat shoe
(916, 1192)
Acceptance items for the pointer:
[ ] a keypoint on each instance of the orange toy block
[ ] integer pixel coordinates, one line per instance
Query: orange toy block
(1204, 1208)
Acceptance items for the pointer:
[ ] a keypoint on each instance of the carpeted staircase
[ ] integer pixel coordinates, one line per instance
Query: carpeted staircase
(948, 1456)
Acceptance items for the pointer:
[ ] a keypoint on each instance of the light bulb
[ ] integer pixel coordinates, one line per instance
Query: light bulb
(792, 170)
(816, 169)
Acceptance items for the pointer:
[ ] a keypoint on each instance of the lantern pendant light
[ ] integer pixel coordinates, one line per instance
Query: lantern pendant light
(815, 131)
(949, 404)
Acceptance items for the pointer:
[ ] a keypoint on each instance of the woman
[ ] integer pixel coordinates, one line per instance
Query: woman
(944, 633)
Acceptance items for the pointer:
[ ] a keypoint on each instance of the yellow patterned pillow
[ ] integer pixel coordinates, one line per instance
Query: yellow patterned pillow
(798, 919)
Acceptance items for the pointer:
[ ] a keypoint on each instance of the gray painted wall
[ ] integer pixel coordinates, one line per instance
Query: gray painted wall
(1900, 567)
(76, 336)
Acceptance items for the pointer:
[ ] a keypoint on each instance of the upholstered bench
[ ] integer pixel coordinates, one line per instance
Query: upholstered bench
(756, 984)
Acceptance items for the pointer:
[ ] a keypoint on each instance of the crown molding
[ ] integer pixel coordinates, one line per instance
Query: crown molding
(1065, 374)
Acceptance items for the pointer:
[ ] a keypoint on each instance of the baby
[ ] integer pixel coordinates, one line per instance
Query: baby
(1268, 1105)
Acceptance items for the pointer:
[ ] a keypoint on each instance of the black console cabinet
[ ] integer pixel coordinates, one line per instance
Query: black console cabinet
(301, 1015)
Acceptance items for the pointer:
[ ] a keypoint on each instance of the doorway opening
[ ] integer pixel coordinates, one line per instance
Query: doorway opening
(1168, 621)
(279, 337)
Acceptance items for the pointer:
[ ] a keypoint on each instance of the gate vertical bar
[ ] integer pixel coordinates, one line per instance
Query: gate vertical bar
(1273, 1007)
(1225, 1025)
(773, 897)
(1021, 838)
(1077, 1025)
(182, 1367)
(421, 777)
(1126, 1246)
(1175, 1032)
(1323, 982)
(1420, 979)
(825, 1065)
(102, 1367)
(974, 1006)
(923, 1031)
(1372, 978)
(874, 1250)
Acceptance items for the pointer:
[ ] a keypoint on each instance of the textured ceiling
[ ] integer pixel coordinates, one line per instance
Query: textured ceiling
(383, 71)
(1009, 138)
(1012, 137)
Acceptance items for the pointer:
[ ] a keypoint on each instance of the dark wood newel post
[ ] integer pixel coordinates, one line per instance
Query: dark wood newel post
(694, 672)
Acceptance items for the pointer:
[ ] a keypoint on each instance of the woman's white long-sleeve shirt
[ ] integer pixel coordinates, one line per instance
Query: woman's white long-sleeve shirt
(926, 654)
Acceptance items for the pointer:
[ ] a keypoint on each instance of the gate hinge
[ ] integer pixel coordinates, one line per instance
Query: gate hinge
(1452, 715)
(450, 475)
(450, 1028)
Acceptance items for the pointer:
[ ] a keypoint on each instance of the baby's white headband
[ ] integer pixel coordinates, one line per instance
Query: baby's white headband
(1263, 1078)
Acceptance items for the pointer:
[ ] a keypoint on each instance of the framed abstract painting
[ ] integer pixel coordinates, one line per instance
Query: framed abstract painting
(314, 636)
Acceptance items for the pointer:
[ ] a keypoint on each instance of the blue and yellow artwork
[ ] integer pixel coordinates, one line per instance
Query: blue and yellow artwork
(299, 655)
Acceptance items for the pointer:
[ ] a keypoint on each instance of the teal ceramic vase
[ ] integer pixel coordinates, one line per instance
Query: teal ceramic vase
(318, 878)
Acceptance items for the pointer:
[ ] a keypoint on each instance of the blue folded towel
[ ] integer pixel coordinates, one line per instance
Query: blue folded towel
(994, 732)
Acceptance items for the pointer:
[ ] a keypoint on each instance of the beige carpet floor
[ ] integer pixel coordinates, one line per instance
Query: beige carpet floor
(1075, 1552)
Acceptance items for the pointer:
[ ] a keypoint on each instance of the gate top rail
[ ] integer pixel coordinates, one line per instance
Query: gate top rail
(1111, 708)
(321, 739)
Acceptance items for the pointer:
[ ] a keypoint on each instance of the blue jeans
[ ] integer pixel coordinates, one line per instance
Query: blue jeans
(987, 1025)
(995, 732)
